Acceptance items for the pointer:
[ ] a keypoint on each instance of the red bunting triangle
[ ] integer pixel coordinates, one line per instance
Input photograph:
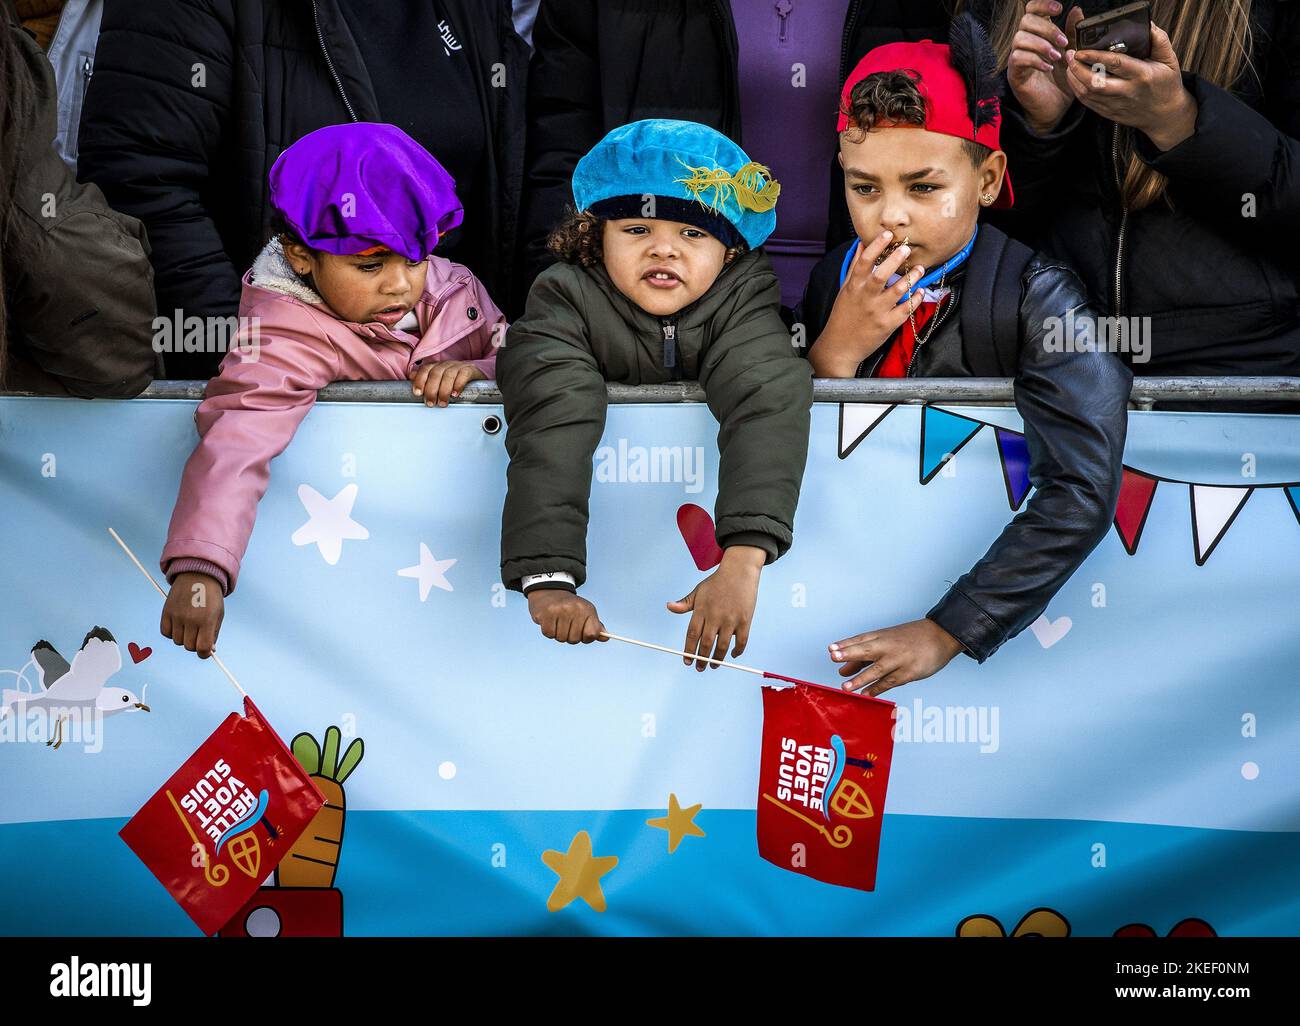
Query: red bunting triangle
(1135, 495)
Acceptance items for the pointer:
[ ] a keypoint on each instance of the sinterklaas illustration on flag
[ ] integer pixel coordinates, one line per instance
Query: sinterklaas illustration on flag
(823, 774)
(223, 821)
(215, 830)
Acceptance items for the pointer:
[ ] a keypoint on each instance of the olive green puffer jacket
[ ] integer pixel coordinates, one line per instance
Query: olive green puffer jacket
(578, 332)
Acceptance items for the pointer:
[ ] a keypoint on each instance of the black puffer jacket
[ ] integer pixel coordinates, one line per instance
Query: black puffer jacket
(1222, 289)
(599, 64)
(191, 161)
(1074, 407)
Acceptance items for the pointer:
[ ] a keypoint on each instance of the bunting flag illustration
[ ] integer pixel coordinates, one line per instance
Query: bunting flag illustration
(857, 420)
(1014, 451)
(942, 436)
(1214, 507)
(1135, 494)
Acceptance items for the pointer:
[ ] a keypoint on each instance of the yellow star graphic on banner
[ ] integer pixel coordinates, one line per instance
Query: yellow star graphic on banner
(679, 823)
(579, 872)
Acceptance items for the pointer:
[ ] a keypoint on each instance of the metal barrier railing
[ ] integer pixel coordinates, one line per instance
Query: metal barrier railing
(955, 391)
(984, 391)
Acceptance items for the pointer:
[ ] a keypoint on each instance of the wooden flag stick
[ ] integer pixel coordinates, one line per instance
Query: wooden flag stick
(149, 577)
(685, 655)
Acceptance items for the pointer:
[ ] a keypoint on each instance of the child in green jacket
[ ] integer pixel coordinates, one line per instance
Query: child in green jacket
(661, 278)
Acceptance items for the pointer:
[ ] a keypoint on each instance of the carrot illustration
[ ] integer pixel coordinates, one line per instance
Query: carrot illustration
(314, 858)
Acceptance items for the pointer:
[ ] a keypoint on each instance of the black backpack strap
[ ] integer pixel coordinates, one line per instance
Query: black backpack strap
(990, 304)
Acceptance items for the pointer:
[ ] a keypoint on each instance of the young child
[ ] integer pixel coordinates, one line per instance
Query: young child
(661, 278)
(919, 148)
(347, 290)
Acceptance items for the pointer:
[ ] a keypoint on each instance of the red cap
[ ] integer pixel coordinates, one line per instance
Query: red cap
(944, 89)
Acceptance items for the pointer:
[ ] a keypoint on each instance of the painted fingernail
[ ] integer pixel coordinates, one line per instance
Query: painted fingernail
(835, 647)
(1061, 40)
(886, 235)
(904, 250)
(1056, 55)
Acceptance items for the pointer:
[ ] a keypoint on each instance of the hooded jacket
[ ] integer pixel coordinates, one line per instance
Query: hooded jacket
(79, 288)
(578, 332)
(1074, 405)
(191, 158)
(253, 407)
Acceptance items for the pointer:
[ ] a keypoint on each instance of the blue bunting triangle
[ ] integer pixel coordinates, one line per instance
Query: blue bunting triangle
(1293, 496)
(1014, 452)
(942, 434)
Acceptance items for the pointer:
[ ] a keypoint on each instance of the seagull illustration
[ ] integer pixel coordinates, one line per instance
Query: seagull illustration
(80, 686)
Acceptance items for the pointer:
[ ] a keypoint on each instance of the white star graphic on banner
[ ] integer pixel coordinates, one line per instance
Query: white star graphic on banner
(429, 571)
(331, 521)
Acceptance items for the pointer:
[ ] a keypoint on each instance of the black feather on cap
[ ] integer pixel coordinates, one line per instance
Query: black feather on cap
(972, 55)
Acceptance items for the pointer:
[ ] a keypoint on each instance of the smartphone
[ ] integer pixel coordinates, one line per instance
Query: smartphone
(1090, 9)
(1125, 30)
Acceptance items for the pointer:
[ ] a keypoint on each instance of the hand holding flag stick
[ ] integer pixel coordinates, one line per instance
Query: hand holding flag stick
(149, 577)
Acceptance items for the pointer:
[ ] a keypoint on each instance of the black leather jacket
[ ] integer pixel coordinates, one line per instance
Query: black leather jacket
(1074, 407)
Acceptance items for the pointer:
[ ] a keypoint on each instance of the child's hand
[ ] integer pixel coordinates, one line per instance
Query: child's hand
(441, 381)
(866, 313)
(192, 617)
(564, 616)
(880, 660)
(722, 606)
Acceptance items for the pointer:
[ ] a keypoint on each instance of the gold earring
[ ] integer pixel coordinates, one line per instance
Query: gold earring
(987, 198)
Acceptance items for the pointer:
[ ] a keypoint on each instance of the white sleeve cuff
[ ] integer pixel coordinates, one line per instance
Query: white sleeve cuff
(555, 576)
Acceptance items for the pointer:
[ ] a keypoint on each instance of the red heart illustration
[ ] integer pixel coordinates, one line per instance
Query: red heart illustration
(138, 654)
(697, 531)
(1186, 928)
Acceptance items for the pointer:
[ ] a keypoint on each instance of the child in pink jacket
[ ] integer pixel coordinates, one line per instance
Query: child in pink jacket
(347, 290)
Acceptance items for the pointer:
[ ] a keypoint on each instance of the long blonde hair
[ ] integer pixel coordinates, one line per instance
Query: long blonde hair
(1212, 39)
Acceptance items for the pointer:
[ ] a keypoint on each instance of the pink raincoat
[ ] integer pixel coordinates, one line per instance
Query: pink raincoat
(254, 405)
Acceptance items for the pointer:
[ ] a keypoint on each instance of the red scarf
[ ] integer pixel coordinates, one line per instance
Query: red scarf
(899, 356)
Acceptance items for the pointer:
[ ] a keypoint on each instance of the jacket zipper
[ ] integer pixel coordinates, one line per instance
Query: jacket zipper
(940, 316)
(1123, 225)
(669, 328)
(338, 83)
(783, 9)
(72, 139)
(850, 23)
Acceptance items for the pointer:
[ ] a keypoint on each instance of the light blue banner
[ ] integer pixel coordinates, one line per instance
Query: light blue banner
(1133, 758)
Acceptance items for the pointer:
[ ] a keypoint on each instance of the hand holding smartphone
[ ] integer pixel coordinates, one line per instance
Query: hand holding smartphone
(1125, 30)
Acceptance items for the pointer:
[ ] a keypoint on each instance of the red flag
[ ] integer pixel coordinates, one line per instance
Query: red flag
(224, 820)
(822, 777)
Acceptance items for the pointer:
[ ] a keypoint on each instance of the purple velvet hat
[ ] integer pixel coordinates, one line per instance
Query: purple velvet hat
(346, 189)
